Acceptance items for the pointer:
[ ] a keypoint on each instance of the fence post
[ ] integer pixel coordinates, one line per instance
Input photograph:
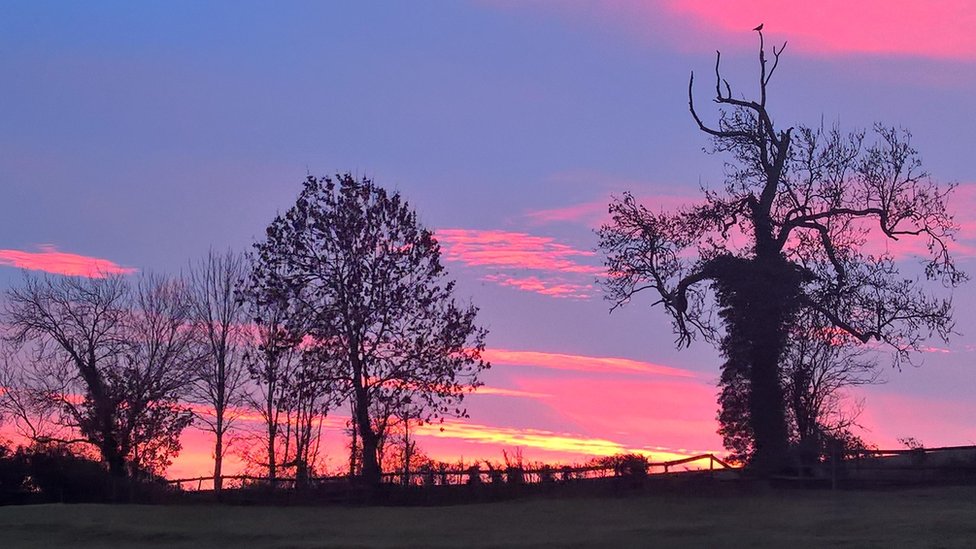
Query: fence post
(833, 465)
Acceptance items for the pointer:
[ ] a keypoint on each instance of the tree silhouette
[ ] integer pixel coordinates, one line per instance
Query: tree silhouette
(109, 360)
(788, 232)
(817, 367)
(219, 318)
(362, 284)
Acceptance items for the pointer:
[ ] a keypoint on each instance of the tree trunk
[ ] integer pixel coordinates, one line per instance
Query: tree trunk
(113, 457)
(370, 442)
(272, 459)
(218, 458)
(767, 410)
(771, 292)
(406, 451)
(757, 300)
(353, 446)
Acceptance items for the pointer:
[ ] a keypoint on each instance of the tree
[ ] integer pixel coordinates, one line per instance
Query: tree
(818, 365)
(219, 317)
(108, 360)
(362, 281)
(787, 234)
(271, 357)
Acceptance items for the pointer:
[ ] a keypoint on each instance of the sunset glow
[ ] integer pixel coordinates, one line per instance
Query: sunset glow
(149, 136)
(931, 28)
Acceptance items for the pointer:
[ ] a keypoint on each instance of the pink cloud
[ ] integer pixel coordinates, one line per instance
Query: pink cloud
(50, 260)
(514, 250)
(925, 28)
(550, 286)
(592, 214)
(677, 413)
(562, 270)
(928, 28)
(598, 364)
(935, 421)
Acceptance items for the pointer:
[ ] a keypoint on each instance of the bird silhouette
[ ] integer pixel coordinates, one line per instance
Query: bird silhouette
(759, 28)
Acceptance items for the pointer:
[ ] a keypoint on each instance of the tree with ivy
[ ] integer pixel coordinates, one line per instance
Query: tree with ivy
(787, 233)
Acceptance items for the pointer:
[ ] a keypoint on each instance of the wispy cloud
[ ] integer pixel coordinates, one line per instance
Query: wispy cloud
(550, 286)
(50, 260)
(582, 363)
(513, 250)
(499, 391)
(591, 214)
(567, 444)
(558, 269)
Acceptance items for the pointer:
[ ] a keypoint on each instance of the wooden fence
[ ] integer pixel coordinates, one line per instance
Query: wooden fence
(444, 476)
(867, 467)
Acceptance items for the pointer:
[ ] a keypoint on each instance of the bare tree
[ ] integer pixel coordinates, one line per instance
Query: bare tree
(219, 317)
(107, 361)
(270, 358)
(290, 392)
(363, 280)
(161, 363)
(787, 233)
(821, 366)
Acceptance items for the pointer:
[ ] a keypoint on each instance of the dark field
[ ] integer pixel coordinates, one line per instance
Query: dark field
(936, 517)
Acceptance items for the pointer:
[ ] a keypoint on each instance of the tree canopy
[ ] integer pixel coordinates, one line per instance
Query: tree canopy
(365, 293)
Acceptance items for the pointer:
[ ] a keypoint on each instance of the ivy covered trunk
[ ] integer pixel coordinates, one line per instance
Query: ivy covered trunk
(758, 303)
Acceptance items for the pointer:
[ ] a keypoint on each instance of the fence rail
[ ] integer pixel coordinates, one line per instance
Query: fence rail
(474, 475)
(868, 465)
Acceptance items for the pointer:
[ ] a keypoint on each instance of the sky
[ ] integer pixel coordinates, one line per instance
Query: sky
(135, 136)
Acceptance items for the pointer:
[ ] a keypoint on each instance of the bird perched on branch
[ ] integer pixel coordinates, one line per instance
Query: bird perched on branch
(759, 28)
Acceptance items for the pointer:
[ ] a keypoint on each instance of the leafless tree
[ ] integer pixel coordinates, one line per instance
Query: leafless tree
(107, 360)
(162, 361)
(219, 317)
(290, 392)
(820, 368)
(788, 233)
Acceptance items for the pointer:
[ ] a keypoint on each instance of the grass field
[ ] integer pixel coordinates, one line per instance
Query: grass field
(943, 517)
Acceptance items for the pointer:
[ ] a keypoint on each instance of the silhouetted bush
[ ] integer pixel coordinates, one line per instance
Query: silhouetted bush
(625, 465)
(60, 475)
(13, 476)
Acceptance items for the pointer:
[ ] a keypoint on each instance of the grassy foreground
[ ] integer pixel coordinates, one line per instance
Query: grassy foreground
(943, 517)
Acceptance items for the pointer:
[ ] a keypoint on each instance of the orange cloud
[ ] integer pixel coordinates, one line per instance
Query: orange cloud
(498, 391)
(570, 446)
(50, 260)
(560, 361)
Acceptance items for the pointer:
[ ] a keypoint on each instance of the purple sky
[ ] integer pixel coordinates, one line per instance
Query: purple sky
(144, 133)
